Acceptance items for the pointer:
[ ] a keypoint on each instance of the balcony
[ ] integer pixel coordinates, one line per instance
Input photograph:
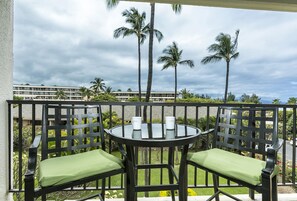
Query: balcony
(25, 118)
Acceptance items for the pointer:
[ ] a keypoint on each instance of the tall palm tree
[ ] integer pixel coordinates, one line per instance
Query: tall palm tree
(177, 9)
(226, 49)
(172, 58)
(139, 29)
(98, 85)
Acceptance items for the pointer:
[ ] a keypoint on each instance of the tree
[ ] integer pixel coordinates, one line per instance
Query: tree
(292, 101)
(129, 90)
(225, 49)
(85, 92)
(177, 9)
(60, 94)
(140, 30)
(108, 90)
(250, 99)
(231, 97)
(186, 94)
(18, 98)
(276, 101)
(203, 96)
(105, 98)
(98, 85)
(172, 58)
(255, 99)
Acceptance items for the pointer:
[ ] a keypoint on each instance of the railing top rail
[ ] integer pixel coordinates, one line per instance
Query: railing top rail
(150, 103)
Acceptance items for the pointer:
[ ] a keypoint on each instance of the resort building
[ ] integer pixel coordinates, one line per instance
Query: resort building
(41, 92)
(156, 96)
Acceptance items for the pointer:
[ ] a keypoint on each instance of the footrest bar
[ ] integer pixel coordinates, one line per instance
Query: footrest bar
(224, 193)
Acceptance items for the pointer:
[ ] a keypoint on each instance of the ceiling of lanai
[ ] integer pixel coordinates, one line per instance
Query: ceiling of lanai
(276, 5)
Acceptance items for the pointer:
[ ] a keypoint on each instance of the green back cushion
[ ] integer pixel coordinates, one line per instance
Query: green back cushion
(60, 170)
(231, 165)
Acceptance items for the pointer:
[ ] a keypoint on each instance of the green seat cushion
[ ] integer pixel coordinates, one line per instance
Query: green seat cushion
(231, 165)
(60, 170)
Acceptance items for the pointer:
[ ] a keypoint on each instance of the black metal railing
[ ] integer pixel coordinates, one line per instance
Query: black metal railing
(25, 118)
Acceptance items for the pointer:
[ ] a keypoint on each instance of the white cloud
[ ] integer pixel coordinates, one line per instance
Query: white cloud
(71, 42)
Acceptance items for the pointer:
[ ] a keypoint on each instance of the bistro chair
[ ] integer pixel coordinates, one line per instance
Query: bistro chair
(72, 152)
(244, 150)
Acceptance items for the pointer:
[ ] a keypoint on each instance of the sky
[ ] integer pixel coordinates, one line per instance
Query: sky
(70, 42)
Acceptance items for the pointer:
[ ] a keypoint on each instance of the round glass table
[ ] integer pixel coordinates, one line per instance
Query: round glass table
(155, 135)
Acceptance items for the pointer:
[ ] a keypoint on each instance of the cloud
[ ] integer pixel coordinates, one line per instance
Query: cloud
(71, 42)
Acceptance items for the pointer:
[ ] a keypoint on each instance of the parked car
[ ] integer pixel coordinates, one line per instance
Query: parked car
(291, 142)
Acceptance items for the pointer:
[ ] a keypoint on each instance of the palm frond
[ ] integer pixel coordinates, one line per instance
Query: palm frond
(158, 35)
(189, 63)
(176, 8)
(211, 59)
(235, 42)
(122, 31)
(234, 56)
(214, 47)
(111, 3)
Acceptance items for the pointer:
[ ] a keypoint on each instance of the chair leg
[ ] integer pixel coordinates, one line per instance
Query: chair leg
(274, 189)
(29, 188)
(103, 189)
(43, 197)
(252, 194)
(266, 187)
(216, 186)
(171, 163)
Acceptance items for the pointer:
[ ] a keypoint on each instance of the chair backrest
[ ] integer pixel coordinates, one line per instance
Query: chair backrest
(68, 129)
(246, 129)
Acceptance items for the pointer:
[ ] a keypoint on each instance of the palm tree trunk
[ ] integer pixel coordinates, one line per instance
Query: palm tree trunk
(139, 70)
(175, 81)
(227, 81)
(149, 83)
(150, 61)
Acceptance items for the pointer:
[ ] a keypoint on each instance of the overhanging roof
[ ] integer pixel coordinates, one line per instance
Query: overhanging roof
(275, 5)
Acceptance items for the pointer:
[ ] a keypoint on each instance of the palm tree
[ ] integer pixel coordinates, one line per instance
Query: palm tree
(85, 92)
(138, 28)
(177, 9)
(60, 94)
(292, 101)
(173, 58)
(225, 49)
(98, 85)
(276, 101)
(108, 90)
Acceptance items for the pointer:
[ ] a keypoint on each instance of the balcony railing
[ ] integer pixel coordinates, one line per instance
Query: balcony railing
(25, 118)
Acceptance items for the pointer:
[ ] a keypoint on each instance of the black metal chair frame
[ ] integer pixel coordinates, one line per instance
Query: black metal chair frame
(65, 114)
(255, 143)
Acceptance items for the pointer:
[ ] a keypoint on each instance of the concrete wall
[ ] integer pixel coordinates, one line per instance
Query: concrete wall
(6, 69)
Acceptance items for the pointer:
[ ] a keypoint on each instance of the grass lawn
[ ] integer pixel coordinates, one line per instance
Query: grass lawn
(158, 176)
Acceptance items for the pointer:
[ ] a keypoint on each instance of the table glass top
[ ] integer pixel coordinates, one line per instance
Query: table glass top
(154, 132)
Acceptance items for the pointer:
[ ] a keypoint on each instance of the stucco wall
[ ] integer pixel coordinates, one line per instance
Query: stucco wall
(6, 69)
